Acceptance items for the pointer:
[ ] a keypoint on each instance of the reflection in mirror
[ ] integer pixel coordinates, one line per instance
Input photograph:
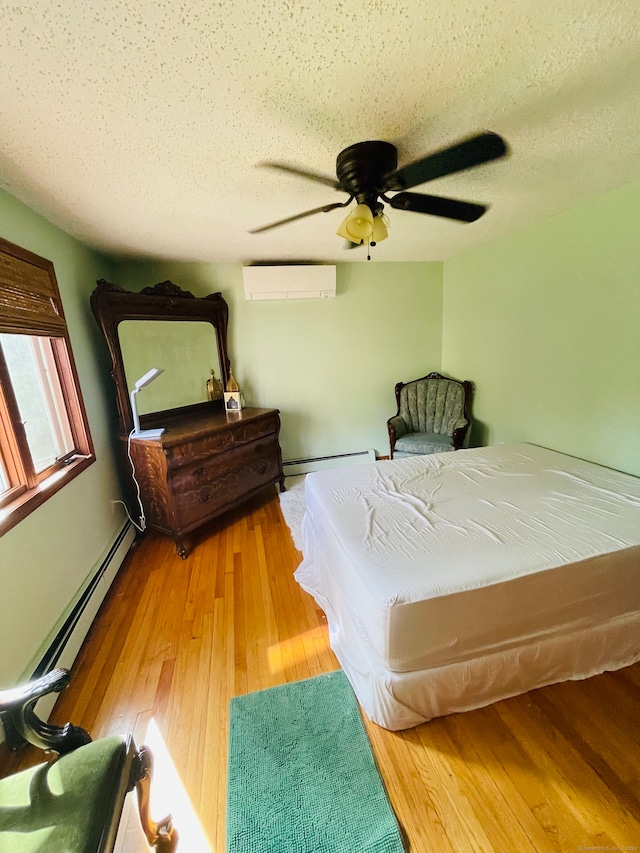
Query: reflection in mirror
(188, 352)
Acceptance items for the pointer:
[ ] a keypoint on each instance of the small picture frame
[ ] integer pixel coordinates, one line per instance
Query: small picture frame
(233, 401)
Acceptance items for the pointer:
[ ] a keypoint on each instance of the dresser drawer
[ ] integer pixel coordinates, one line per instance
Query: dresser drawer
(250, 430)
(201, 490)
(200, 449)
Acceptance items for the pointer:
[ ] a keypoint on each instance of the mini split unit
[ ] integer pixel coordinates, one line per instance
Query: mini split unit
(289, 282)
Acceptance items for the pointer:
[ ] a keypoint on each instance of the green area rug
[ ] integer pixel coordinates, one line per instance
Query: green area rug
(302, 777)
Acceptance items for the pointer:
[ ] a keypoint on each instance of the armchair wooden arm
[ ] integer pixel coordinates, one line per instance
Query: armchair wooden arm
(460, 433)
(73, 803)
(396, 428)
(22, 725)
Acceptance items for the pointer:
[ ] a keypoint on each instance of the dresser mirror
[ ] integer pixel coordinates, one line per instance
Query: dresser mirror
(187, 354)
(168, 328)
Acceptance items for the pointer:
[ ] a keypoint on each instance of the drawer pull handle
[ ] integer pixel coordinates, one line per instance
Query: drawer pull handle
(200, 472)
(204, 498)
(262, 467)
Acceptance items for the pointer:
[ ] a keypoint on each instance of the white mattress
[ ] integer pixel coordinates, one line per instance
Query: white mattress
(429, 562)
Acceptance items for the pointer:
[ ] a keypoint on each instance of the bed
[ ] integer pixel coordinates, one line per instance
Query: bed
(454, 580)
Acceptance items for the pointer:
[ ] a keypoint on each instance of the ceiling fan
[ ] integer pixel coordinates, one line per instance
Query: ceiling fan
(367, 171)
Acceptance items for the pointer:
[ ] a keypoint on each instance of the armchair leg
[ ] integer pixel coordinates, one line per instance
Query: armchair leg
(161, 835)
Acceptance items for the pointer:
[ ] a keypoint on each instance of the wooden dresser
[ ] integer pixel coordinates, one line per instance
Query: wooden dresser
(204, 464)
(207, 460)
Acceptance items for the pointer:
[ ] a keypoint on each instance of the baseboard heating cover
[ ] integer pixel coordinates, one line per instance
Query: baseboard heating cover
(66, 644)
(319, 463)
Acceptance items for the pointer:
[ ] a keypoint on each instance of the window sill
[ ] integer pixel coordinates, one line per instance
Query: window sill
(30, 500)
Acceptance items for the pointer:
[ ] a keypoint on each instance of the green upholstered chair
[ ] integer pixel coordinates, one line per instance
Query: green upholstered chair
(432, 416)
(72, 803)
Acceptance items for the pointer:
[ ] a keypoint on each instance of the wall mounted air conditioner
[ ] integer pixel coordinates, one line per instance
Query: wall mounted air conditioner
(307, 281)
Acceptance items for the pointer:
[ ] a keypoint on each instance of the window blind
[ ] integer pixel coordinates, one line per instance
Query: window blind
(29, 297)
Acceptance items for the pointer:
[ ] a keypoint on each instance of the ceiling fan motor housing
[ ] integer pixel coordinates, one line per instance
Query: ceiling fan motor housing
(361, 169)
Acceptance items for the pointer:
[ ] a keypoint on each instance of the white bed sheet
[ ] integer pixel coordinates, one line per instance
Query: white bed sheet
(456, 568)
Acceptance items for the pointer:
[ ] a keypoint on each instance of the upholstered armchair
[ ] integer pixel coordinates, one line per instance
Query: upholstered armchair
(72, 803)
(432, 416)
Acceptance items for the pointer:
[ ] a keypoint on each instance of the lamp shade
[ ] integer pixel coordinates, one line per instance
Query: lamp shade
(359, 223)
(379, 229)
(149, 377)
(342, 231)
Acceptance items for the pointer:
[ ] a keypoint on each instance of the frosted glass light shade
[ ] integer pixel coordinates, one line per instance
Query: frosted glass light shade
(379, 230)
(359, 223)
(342, 231)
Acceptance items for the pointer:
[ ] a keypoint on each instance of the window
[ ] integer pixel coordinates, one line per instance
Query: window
(44, 434)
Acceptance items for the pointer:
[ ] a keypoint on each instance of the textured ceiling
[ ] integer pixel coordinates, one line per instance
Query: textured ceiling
(138, 126)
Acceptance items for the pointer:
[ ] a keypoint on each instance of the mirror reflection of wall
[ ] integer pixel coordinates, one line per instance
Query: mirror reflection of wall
(188, 352)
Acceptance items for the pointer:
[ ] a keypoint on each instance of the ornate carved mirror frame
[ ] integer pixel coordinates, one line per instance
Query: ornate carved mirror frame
(111, 305)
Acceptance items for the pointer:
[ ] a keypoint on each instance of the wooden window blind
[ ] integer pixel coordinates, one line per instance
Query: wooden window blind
(29, 297)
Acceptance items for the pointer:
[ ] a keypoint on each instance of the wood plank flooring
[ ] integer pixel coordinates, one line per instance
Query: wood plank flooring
(554, 770)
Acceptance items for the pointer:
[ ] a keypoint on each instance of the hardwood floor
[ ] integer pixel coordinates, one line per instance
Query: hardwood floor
(554, 770)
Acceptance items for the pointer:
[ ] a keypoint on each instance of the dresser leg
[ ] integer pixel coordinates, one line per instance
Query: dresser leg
(283, 488)
(181, 549)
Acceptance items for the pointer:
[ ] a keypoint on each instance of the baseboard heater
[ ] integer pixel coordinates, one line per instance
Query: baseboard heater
(294, 467)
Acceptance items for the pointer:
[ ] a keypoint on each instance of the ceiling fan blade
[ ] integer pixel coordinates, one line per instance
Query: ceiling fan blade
(325, 209)
(471, 152)
(435, 205)
(302, 173)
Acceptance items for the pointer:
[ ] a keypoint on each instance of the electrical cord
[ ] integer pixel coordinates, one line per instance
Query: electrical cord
(142, 526)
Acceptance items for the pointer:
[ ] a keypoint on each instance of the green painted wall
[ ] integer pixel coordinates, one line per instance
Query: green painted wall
(48, 557)
(329, 365)
(546, 323)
